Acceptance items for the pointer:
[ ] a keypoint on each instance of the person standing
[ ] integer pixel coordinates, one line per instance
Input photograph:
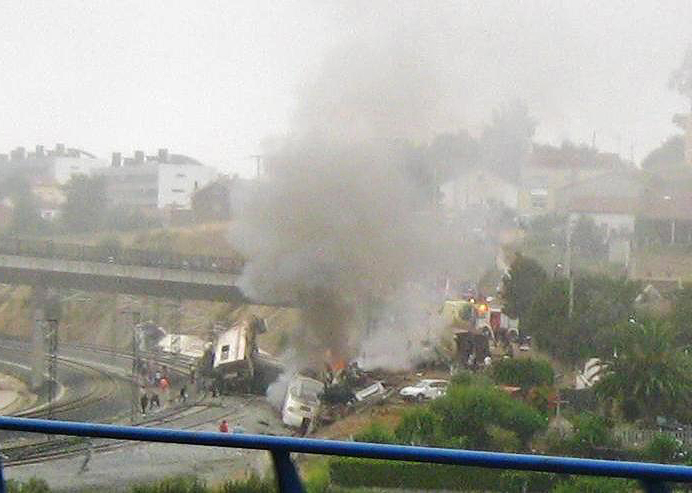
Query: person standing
(154, 401)
(183, 394)
(144, 400)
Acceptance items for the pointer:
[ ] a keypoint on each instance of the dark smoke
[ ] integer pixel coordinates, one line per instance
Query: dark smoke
(340, 221)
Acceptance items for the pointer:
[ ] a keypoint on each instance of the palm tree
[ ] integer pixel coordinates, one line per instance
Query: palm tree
(650, 376)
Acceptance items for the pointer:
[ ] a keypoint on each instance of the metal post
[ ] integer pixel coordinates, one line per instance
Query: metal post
(52, 339)
(38, 350)
(568, 268)
(135, 367)
(286, 474)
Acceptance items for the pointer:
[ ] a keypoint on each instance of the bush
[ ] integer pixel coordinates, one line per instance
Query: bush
(524, 373)
(418, 426)
(585, 484)
(664, 448)
(375, 433)
(469, 411)
(357, 473)
(34, 485)
(591, 435)
(253, 484)
(176, 484)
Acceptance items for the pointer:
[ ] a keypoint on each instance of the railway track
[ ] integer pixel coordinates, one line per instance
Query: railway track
(109, 387)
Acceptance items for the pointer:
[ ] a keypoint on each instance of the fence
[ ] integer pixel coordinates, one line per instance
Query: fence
(637, 438)
(652, 476)
(117, 255)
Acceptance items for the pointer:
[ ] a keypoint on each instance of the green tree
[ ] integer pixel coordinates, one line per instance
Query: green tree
(26, 217)
(524, 373)
(669, 153)
(587, 239)
(469, 412)
(682, 315)
(547, 320)
(520, 285)
(85, 206)
(600, 303)
(651, 375)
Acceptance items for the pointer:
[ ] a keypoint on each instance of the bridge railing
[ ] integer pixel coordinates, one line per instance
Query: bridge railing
(654, 477)
(117, 255)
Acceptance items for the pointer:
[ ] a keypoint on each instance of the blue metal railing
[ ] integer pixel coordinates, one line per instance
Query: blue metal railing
(653, 476)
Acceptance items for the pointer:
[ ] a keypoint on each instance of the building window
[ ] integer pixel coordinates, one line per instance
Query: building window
(177, 190)
(180, 175)
(225, 352)
(539, 198)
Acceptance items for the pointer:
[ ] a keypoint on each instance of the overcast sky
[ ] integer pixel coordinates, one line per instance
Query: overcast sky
(214, 78)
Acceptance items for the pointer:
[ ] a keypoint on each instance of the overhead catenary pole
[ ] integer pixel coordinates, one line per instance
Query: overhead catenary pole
(135, 367)
(568, 269)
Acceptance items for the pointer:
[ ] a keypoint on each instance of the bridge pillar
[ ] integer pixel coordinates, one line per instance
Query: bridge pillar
(38, 367)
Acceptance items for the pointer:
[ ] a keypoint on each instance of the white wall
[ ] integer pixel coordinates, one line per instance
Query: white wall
(477, 188)
(178, 182)
(65, 167)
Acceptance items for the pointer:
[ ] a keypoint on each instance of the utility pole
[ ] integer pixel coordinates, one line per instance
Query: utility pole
(135, 367)
(51, 328)
(568, 268)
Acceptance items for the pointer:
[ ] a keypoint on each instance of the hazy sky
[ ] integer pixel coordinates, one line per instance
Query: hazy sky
(213, 78)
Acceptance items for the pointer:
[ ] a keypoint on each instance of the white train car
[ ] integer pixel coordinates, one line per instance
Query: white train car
(233, 347)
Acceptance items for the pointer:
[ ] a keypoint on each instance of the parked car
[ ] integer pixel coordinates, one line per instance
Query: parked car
(425, 389)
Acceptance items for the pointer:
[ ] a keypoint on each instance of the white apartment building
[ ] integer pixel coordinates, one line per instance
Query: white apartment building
(156, 182)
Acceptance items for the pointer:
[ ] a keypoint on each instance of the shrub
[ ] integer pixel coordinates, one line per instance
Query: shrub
(375, 433)
(585, 484)
(359, 473)
(176, 484)
(469, 411)
(591, 433)
(524, 373)
(418, 426)
(34, 485)
(253, 484)
(664, 448)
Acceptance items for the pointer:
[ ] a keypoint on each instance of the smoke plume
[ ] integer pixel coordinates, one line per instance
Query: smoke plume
(339, 226)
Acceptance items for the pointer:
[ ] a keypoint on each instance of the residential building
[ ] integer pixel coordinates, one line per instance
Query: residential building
(478, 187)
(550, 169)
(611, 200)
(164, 181)
(50, 167)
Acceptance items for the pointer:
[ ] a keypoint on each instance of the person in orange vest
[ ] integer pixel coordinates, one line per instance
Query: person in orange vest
(223, 427)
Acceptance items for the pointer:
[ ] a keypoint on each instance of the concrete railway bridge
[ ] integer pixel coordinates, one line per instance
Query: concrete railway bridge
(47, 264)
(92, 268)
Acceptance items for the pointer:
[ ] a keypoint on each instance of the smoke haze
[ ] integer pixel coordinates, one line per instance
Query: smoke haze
(340, 222)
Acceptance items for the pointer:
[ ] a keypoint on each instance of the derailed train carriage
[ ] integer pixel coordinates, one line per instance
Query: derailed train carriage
(237, 364)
